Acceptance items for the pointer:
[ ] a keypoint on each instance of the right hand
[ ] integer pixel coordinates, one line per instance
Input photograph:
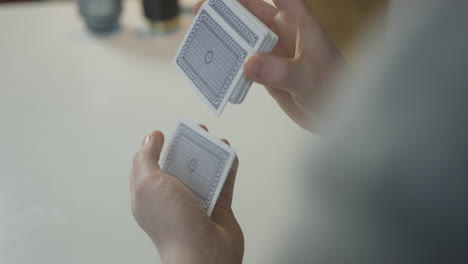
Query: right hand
(301, 63)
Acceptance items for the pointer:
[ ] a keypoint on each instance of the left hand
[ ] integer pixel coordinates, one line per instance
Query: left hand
(178, 226)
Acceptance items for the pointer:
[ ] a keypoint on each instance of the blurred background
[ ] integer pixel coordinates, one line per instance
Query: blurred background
(342, 19)
(75, 105)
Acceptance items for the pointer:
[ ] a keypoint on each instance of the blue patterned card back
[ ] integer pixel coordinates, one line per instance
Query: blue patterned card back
(198, 163)
(211, 59)
(234, 21)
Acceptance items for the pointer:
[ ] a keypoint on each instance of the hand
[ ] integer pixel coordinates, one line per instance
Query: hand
(173, 219)
(301, 63)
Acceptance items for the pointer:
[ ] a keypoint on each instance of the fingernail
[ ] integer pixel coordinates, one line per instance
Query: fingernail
(146, 140)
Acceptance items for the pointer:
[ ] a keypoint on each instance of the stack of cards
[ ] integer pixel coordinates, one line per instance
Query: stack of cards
(224, 33)
(200, 161)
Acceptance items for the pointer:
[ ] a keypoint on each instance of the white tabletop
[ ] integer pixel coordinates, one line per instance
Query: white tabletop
(74, 108)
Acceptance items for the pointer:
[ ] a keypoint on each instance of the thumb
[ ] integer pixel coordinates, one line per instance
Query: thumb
(270, 70)
(151, 150)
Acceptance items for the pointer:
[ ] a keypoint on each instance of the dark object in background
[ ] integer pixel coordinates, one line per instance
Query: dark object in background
(101, 16)
(15, 1)
(163, 15)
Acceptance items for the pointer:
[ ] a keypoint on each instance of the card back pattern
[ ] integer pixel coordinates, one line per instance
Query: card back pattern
(197, 162)
(211, 58)
(234, 21)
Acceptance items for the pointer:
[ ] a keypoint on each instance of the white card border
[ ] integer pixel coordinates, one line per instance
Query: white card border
(230, 161)
(226, 27)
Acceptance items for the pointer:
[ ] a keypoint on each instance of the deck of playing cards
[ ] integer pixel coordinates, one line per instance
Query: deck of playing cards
(200, 161)
(211, 57)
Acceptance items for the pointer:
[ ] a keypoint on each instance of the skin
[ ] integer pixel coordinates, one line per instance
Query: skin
(178, 226)
(303, 60)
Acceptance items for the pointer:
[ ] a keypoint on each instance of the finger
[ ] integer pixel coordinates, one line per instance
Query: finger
(311, 37)
(203, 126)
(228, 188)
(262, 10)
(146, 160)
(132, 181)
(197, 6)
(297, 8)
(281, 73)
(226, 141)
(314, 42)
(224, 202)
(286, 27)
(151, 150)
(132, 190)
(145, 140)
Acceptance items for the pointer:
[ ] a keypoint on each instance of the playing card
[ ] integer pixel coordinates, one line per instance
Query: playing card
(246, 18)
(211, 57)
(200, 161)
(228, 14)
(266, 42)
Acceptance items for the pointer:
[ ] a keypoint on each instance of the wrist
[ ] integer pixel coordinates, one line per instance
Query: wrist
(203, 251)
(184, 255)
